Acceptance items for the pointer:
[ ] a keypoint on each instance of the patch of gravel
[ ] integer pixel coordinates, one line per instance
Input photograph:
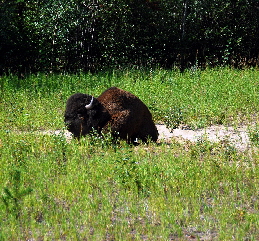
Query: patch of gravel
(238, 137)
(66, 133)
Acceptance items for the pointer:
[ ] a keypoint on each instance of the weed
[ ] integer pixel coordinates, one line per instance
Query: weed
(12, 197)
(174, 117)
(254, 136)
(130, 175)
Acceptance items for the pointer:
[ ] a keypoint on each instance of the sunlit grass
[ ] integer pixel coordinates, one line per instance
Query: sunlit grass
(217, 96)
(93, 190)
(96, 190)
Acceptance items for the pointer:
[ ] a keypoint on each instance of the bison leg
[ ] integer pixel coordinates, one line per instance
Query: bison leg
(148, 131)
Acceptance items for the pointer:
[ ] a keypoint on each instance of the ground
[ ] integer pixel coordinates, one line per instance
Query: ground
(238, 137)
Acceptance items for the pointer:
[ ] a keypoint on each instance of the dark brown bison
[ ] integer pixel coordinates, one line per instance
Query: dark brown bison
(115, 110)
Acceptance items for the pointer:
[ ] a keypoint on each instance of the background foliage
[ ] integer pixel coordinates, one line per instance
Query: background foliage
(72, 35)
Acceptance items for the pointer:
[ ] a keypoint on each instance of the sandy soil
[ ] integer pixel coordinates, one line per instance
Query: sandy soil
(238, 137)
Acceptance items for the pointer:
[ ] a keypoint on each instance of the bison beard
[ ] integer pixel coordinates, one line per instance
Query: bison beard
(119, 111)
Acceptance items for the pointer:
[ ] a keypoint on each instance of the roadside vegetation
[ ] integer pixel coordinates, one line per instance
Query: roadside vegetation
(52, 189)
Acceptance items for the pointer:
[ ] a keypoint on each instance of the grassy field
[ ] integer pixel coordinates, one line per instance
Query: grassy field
(51, 189)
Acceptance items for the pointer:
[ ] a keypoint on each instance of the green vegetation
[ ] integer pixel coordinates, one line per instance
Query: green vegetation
(52, 189)
(195, 98)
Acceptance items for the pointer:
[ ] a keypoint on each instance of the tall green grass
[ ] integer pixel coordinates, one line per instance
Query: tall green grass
(92, 190)
(52, 189)
(195, 98)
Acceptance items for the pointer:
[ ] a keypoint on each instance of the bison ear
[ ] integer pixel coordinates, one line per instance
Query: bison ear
(90, 106)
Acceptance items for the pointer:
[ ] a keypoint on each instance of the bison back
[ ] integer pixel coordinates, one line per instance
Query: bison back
(130, 117)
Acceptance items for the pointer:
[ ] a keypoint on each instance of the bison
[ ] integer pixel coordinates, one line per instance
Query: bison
(115, 110)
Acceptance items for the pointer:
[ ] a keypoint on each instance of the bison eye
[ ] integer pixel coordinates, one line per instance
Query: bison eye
(80, 116)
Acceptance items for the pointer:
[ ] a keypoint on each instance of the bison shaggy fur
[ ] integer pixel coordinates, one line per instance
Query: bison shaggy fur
(115, 110)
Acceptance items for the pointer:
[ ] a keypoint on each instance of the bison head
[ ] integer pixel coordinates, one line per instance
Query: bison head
(83, 114)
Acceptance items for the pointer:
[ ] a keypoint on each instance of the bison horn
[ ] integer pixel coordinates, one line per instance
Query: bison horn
(90, 106)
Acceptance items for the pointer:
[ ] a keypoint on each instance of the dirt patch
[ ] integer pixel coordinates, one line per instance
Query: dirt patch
(238, 137)
(66, 133)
